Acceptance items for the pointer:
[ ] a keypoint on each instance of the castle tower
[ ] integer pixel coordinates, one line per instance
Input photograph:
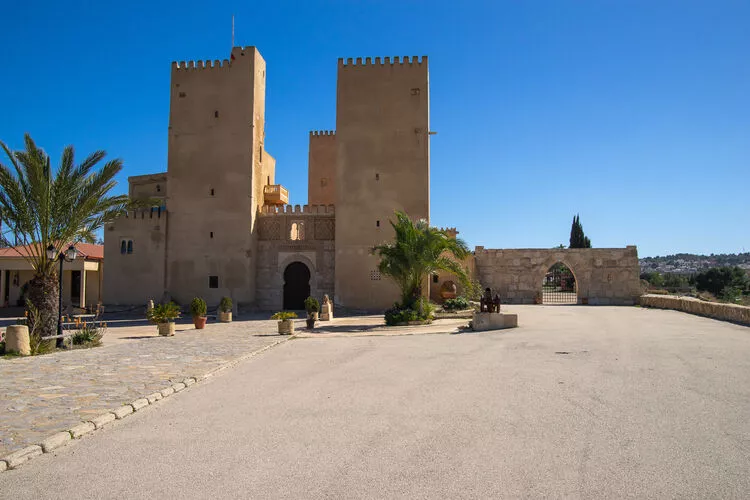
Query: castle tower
(383, 165)
(321, 168)
(215, 176)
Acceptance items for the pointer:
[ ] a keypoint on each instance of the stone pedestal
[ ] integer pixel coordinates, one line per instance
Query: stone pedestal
(326, 312)
(17, 340)
(483, 321)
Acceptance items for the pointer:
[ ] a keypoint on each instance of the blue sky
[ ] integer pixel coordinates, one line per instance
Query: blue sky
(635, 114)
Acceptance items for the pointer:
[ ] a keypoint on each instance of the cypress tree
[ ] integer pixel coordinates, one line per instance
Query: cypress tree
(577, 238)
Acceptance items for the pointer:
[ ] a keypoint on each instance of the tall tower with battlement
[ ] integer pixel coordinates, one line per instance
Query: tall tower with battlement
(382, 165)
(321, 174)
(216, 175)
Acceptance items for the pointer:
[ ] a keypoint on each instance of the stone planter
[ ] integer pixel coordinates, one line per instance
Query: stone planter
(225, 317)
(286, 327)
(199, 322)
(17, 340)
(166, 329)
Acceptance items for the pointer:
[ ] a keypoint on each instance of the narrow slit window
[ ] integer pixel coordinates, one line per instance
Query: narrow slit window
(123, 247)
(216, 114)
(212, 191)
(130, 246)
(211, 234)
(377, 223)
(377, 177)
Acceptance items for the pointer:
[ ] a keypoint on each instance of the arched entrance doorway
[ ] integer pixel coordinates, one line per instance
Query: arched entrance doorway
(559, 285)
(296, 286)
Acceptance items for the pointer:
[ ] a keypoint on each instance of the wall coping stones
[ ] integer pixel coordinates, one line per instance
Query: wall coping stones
(122, 411)
(716, 310)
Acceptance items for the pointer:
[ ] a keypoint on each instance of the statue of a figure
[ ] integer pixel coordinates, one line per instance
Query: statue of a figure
(326, 309)
(489, 304)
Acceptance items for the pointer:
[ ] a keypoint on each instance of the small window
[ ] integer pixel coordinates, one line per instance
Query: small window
(323, 182)
(375, 275)
(377, 223)
(377, 177)
(216, 114)
(434, 278)
(123, 247)
(130, 246)
(212, 234)
(183, 94)
(268, 180)
(212, 191)
(213, 282)
(158, 188)
(415, 91)
(297, 231)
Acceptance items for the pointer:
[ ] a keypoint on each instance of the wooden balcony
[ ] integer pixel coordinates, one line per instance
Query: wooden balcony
(275, 194)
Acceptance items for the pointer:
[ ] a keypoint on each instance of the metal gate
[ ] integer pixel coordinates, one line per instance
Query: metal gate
(559, 286)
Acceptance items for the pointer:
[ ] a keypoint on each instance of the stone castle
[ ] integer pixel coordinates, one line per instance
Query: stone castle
(220, 225)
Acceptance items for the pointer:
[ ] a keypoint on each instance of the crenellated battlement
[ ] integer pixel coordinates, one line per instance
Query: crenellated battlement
(297, 209)
(322, 133)
(452, 232)
(198, 65)
(409, 61)
(146, 213)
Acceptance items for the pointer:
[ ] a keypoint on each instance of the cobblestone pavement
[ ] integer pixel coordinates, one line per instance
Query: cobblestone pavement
(44, 394)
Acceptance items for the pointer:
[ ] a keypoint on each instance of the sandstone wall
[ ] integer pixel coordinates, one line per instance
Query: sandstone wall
(321, 168)
(716, 310)
(139, 276)
(277, 249)
(603, 275)
(216, 176)
(382, 164)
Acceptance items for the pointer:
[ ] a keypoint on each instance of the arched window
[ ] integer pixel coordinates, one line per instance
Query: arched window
(123, 246)
(130, 246)
(297, 231)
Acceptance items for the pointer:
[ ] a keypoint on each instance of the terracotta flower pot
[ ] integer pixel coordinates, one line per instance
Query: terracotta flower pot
(200, 322)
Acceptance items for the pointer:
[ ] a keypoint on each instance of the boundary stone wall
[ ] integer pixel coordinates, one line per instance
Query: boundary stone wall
(604, 276)
(727, 312)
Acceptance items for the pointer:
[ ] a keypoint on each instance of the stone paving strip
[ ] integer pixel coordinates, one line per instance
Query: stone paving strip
(45, 401)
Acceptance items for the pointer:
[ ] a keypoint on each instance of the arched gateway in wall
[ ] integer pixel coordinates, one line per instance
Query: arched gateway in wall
(559, 285)
(296, 286)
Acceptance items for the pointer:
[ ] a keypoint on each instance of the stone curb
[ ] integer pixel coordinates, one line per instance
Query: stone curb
(60, 439)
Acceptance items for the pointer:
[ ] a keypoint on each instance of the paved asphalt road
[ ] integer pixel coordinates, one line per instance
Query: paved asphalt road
(579, 402)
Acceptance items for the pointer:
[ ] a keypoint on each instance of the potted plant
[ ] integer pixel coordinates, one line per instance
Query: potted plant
(286, 325)
(312, 306)
(225, 310)
(198, 310)
(164, 315)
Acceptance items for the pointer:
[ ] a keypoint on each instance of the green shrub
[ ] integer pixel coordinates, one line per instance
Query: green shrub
(164, 313)
(457, 304)
(421, 310)
(90, 335)
(312, 305)
(282, 315)
(225, 305)
(198, 307)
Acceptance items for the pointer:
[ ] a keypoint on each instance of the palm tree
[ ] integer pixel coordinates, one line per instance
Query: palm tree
(41, 208)
(417, 251)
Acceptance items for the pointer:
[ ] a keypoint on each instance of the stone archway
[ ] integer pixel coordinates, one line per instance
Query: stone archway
(559, 285)
(296, 286)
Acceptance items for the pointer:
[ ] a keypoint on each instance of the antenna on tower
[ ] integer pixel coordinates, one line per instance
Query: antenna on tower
(232, 30)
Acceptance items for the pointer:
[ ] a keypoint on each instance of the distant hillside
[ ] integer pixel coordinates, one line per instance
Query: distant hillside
(688, 263)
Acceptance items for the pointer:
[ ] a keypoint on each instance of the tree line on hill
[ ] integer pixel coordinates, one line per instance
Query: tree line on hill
(727, 283)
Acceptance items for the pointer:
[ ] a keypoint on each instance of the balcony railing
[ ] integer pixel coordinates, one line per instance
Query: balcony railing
(275, 194)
